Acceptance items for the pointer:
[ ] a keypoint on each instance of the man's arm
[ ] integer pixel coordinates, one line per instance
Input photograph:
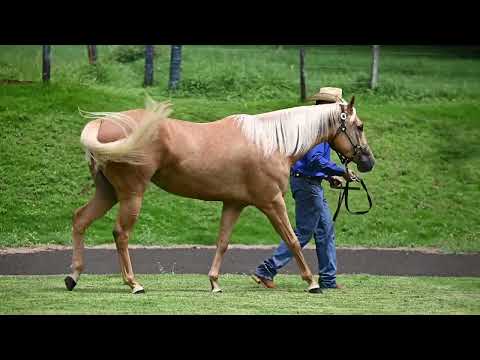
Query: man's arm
(320, 161)
(329, 168)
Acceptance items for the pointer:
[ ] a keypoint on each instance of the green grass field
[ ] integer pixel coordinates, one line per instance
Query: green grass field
(190, 294)
(422, 124)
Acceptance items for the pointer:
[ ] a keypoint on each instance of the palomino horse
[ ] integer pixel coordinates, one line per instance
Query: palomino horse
(240, 160)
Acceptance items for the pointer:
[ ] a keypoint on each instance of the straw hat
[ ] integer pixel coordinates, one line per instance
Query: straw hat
(329, 94)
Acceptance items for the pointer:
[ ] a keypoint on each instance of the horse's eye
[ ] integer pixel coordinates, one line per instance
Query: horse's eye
(360, 127)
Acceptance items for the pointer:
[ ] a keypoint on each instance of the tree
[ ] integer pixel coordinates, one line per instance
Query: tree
(148, 65)
(92, 54)
(175, 67)
(375, 61)
(46, 63)
(303, 90)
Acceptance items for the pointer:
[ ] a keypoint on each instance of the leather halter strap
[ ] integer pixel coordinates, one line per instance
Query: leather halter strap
(344, 190)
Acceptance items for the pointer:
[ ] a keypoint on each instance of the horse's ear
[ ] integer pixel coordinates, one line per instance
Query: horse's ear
(350, 105)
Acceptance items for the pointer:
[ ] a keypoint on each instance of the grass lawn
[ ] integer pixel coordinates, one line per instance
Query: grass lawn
(422, 123)
(189, 294)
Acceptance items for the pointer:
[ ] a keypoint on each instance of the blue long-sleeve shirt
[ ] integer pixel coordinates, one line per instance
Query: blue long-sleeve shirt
(316, 163)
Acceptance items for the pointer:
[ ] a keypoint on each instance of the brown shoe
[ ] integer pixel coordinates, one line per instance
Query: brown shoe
(337, 286)
(265, 282)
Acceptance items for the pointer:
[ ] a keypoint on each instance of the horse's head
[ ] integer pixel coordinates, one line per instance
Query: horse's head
(348, 138)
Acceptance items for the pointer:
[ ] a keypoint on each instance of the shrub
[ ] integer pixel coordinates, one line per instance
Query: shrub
(129, 53)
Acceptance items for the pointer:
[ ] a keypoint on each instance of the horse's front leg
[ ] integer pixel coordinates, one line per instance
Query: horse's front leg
(230, 214)
(276, 212)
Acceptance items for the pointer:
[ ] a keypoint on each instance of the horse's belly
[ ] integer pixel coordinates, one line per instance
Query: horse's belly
(206, 187)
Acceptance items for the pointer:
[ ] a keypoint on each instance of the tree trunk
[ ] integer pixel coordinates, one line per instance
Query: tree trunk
(92, 54)
(375, 61)
(148, 65)
(303, 90)
(175, 67)
(46, 63)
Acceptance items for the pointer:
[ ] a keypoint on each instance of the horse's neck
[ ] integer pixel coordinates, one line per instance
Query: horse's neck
(292, 132)
(294, 158)
(320, 138)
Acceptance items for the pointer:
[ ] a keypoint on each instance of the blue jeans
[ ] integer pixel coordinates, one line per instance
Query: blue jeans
(313, 217)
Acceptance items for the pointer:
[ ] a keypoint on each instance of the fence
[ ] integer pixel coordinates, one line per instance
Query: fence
(175, 66)
(304, 68)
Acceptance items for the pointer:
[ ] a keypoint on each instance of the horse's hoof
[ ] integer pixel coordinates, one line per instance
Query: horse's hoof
(315, 291)
(70, 283)
(217, 291)
(138, 290)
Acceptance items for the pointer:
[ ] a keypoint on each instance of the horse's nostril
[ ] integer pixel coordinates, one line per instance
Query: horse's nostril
(365, 164)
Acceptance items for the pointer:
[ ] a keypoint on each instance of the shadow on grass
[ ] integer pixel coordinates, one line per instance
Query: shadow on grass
(98, 290)
(101, 290)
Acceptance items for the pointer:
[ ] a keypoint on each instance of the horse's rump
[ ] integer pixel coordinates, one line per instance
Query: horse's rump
(137, 133)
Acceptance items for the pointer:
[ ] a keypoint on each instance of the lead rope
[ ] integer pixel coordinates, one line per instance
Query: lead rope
(344, 194)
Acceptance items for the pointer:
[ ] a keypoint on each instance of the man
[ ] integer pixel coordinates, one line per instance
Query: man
(313, 217)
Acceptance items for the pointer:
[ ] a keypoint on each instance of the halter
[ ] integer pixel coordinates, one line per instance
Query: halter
(343, 129)
(345, 160)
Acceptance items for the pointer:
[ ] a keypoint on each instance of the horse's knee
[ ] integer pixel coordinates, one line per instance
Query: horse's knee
(116, 233)
(294, 246)
(121, 237)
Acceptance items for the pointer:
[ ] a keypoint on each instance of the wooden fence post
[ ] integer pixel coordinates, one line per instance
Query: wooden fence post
(303, 90)
(375, 61)
(46, 63)
(175, 66)
(148, 81)
(92, 54)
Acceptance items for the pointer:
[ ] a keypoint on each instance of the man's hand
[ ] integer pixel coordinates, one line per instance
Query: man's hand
(350, 176)
(336, 182)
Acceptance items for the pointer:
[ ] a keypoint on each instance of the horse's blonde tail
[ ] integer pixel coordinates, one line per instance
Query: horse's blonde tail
(131, 149)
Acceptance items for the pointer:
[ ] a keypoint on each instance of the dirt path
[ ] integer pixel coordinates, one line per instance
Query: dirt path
(238, 260)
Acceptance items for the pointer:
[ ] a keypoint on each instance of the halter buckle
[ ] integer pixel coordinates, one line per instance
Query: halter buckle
(343, 116)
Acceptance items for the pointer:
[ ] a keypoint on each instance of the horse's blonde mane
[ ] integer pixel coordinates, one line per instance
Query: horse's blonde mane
(290, 131)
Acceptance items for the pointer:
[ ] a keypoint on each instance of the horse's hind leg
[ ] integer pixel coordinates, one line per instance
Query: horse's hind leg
(278, 216)
(230, 214)
(103, 200)
(127, 217)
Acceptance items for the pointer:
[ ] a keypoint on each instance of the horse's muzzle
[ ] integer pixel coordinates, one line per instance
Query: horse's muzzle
(365, 162)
